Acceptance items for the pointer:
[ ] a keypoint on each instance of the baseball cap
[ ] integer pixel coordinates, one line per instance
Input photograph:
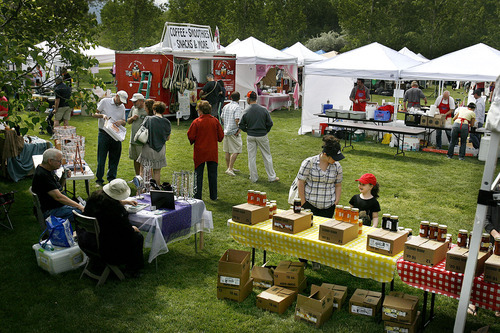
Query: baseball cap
(368, 178)
(136, 97)
(117, 189)
(123, 96)
(252, 95)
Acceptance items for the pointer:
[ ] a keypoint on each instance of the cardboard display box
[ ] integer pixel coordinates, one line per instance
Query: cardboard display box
(400, 307)
(394, 326)
(425, 251)
(316, 308)
(291, 222)
(302, 286)
(365, 302)
(333, 231)
(234, 269)
(289, 274)
(492, 269)
(263, 277)
(250, 214)
(339, 294)
(386, 242)
(276, 299)
(410, 144)
(238, 295)
(456, 258)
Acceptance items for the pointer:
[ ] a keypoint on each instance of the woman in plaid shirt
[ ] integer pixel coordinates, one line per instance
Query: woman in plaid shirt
(320, 179)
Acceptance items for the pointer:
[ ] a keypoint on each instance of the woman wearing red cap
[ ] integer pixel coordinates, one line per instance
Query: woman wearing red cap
(366, 201)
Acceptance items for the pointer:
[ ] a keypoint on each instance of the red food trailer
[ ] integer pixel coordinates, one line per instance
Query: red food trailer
(175, 70)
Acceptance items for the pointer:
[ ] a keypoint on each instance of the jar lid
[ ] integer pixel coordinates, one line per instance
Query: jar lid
(497, 239)
(485, 234)
(443, 226)
(263, 193)
(256, 192)
(463, 231)
(297, 199)
(425, 222)
(394, 217)
(386, 215)
(251, 191)
(347, 208)
(339, 206)
(355, 209)
(434, 224)
(273, 201)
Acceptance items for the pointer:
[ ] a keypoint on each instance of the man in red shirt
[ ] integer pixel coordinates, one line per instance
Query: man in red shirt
(205, 132)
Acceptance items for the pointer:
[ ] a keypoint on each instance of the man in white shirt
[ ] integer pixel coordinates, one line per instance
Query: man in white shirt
(232, 144)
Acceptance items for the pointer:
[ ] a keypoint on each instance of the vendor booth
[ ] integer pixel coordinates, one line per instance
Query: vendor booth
(253, 61)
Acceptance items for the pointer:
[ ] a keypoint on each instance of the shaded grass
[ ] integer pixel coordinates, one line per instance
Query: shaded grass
(180, 295)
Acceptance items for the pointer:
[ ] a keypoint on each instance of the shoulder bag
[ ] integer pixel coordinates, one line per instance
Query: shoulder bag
(142, 135)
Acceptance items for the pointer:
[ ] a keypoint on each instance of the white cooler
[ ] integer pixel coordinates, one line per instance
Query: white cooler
(485, 147)
(61, 259)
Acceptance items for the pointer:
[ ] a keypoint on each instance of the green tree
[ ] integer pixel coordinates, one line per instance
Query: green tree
(327, 41)
(286, 22)
(66, 26)
(130, 24)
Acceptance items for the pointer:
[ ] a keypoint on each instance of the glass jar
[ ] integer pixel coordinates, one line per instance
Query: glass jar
(360, 226)
(433, 230)
(485, 242)
(256, 200)
(263, 198)
(385, 218)
(424, 229)
(496, 250)
(442, 231)
(409, 231)
(339, 212)
(394, 222)
(250, 196)
(270, 207)
(354, 215)
(462, 238)
(347, 214)
(297, 205)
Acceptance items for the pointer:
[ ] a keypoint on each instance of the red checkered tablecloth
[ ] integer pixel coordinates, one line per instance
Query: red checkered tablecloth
(437, 279)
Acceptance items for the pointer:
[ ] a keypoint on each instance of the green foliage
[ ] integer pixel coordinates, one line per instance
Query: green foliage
(327, 41)
(130, 24)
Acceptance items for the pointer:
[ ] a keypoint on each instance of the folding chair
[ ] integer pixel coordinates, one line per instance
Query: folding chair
(6, 201)
(91, 226)
(37, 210)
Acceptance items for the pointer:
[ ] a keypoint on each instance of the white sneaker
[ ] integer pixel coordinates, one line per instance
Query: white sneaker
(236, 170)
(230, 172)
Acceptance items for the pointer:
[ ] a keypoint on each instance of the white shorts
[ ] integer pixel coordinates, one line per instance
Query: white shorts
(232, 144)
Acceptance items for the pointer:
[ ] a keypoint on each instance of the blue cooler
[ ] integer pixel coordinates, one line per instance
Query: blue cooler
(382, 115)
(325, 107)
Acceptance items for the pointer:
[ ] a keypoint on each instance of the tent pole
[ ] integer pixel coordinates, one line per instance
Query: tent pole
(396, 100)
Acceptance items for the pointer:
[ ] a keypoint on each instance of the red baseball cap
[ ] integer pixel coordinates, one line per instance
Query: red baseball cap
(252, 95)
(368, 178)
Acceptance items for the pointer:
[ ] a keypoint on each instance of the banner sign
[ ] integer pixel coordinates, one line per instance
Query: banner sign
(188, 38)
(224, 70)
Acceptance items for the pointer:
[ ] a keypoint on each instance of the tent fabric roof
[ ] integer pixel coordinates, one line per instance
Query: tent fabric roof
(234, 42)
(253, 51)
(479, 62)
(303, 54)
(372, 61)
(407, 52)
(101, 53)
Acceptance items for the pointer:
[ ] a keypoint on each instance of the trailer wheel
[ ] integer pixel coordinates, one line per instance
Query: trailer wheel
(185, 117)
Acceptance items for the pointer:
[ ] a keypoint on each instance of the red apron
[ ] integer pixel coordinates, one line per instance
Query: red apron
(360, 94)
(444, 108)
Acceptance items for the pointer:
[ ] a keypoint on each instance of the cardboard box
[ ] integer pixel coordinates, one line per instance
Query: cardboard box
(365, 302)
(302, 286)
(336, 232)
(250, 214)
(410, 144)
(316, 308)
(234, 269)
(492, 269)
(400, 307)
(456, 258)
(436, 121)
(339, 294)
(425, 251)
(276, 299)
(394, 326)
(238, 295)
(291, 222)
(423, 120)
(263, 277)
(289, 274)
(386, 242)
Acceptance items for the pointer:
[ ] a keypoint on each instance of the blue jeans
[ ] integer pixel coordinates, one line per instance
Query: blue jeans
(65, 212)
(455, 132)
(212, 179)
(107, 145)
(476, 138)
(439, 134)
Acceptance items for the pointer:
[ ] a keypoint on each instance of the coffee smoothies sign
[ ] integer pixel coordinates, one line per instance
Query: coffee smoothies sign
(190, 38)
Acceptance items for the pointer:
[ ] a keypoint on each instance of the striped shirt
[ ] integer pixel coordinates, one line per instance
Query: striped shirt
(231, 112)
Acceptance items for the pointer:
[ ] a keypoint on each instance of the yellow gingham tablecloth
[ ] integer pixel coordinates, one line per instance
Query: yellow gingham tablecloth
(351, 257)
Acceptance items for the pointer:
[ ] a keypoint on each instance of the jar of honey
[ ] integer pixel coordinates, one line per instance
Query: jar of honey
(270, 207)
(297, 205)
(385, 218)
(424, 229)
(263, 198)
(462, 238)
(339, 212)
(496, 249)
(442, 231)
(251, 197)
(360, 226)
(256, 200)
(354, 215)
(433, 230)
(394, 222)
(485, 242)
(347, 214)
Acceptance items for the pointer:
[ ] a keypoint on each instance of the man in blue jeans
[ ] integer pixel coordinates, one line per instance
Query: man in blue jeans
(49, 187)
(112, 108)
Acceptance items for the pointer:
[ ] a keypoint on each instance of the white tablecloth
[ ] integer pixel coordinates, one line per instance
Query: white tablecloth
(273, 101)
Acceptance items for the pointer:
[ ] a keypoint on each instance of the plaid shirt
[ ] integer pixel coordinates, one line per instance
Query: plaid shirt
(231, 112)
(319, 184)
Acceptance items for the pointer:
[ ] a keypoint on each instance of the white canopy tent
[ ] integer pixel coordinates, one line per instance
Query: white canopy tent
(333, 79)
(234, 42)
(303, 54)
(101, 53)
(409, 53)
(254, 59)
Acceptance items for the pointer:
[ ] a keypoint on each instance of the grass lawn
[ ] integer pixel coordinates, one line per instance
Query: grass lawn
(180, 296)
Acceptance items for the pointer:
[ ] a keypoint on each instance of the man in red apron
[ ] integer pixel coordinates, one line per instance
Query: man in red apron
(446, 105)
(412, 97)
(359, 95)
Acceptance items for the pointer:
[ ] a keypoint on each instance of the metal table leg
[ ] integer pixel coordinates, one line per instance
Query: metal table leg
(253, 256)
(424, 311)
(264, 261)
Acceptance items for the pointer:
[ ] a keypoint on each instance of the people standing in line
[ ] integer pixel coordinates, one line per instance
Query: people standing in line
(366, 201)
(205, 132)
(319, 184)
(137, 115)
(413, 96)
(446, 106)
(232, 145)
(153, 152)
(210, 93)
(109, 108)
(479, 111)
(257, 122)
(462, 120)
(62, 110)
(360, 94)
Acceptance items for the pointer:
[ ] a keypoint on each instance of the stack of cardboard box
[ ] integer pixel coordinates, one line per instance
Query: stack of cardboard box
(399, 313)
(290, 275)
(233, 276)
